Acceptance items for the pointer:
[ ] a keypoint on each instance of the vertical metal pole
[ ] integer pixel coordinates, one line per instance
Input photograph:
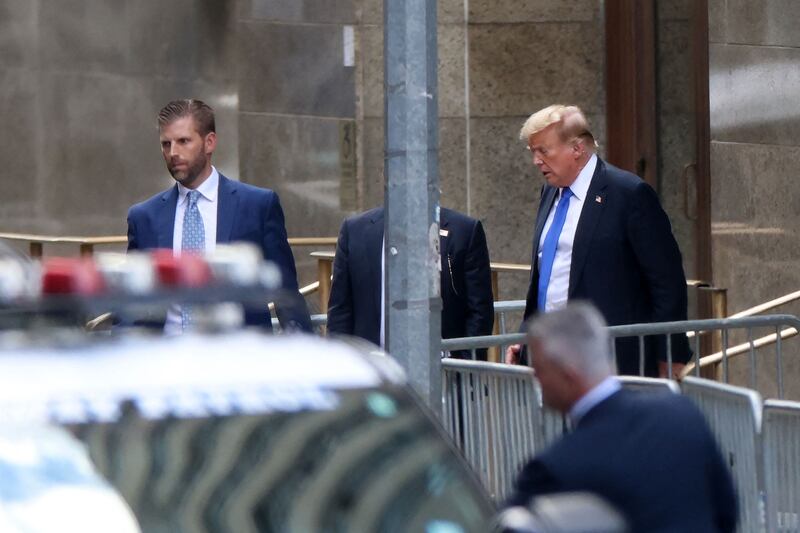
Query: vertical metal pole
(413, 303)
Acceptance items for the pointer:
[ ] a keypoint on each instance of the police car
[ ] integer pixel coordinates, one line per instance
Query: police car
(230, 430)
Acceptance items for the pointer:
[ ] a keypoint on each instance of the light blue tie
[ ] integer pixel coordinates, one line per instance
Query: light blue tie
(550, 246)
(193, 239)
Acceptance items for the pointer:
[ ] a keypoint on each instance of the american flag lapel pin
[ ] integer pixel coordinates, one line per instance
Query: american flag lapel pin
(598, 199)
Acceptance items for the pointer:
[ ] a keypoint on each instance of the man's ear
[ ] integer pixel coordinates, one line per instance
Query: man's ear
(210, 142)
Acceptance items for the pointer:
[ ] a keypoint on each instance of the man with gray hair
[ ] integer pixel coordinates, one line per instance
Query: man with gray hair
(650, 455)
(602, 236)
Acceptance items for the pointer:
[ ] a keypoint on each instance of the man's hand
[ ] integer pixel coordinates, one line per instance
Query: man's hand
(512, 354)
(677, 369)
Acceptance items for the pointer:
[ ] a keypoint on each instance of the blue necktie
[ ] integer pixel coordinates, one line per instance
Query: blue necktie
(550, 245)
(193, 239)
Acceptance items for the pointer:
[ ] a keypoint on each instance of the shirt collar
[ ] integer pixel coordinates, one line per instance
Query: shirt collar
(581, 184)
(208, 189)
(591, 399)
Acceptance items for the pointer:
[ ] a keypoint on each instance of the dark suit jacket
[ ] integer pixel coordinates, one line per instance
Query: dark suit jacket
(244, 213)
(624, 260)
(652, 456)
(354, 307)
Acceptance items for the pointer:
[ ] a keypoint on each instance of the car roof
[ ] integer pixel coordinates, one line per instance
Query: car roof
(189, 375)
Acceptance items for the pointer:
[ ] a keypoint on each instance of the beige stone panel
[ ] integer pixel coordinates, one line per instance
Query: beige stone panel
(756, 253)
(673, 9)
(763, 22)
(313, 11)
(717, 21)
(448, 11)
(752, 184)
(19, 38)
(676, 147)
(675, 95)
(515, 11)
(99, 152)
(303, 73)
(373, 163)
(452, 163)
(522, 67)
(371, 43)
(756, 268)
(754, 94)
(19, 152)
(82, 35)
(299, 158)
(158, 48)
(505, 195)
(450, 73)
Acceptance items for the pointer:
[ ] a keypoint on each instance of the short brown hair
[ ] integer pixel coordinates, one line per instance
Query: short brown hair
(201, 112)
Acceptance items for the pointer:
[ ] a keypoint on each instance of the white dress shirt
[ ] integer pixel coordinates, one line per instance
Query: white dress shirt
(588, 401)
(207, 204)
(558, 287)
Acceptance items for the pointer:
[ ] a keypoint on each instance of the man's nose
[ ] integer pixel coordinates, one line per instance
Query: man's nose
(173, 149)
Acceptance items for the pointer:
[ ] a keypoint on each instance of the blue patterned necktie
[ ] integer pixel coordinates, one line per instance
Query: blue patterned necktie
(193, 239)
(550, 246)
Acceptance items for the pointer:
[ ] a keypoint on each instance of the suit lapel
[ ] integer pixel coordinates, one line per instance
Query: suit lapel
(587, 223)
(374, 246)
(227, 204)
(444, 236)
(166, 218)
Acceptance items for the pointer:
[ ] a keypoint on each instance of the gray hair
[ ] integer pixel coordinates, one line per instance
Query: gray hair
(575, 336)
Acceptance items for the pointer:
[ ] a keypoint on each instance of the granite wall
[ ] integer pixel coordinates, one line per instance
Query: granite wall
(80, 85)
(754, 52)
(298, 87)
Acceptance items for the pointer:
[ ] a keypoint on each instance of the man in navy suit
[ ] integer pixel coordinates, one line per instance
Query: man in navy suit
(205, 208)
(651, 455)
(601, 235)
(355, 305)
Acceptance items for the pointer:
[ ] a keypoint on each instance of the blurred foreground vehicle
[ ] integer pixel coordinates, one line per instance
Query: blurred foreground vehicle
(221, 429)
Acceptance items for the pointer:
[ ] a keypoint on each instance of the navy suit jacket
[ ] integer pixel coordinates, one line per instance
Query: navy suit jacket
(625, 261)
(650, 455)
(354, 307)
(244, 213)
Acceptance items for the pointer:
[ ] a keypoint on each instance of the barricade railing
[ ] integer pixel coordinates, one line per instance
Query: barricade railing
(745, 325)
(734, 416)
(495, 415)
(780, 433)
(665, 330)
(640, 384)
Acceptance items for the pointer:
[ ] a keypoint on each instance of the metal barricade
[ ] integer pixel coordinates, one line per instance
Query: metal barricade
(734, 416)
(502, 309)
(494, 414)
(317, 322)
(781, 445)
(781, 326)
(640, 384)
(696, 328)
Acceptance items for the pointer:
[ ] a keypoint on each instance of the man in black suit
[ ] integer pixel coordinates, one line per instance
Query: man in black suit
(650, 455)
(601, 235)
(355, 304)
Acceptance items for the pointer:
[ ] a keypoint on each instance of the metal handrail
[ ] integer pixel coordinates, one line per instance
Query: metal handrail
(486, 367)
(87, 244)
(740, 349)
(766, 306)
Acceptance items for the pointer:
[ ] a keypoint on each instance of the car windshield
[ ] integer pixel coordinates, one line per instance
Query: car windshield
(371, 461)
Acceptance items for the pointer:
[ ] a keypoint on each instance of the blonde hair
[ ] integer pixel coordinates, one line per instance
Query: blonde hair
(571, 122)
